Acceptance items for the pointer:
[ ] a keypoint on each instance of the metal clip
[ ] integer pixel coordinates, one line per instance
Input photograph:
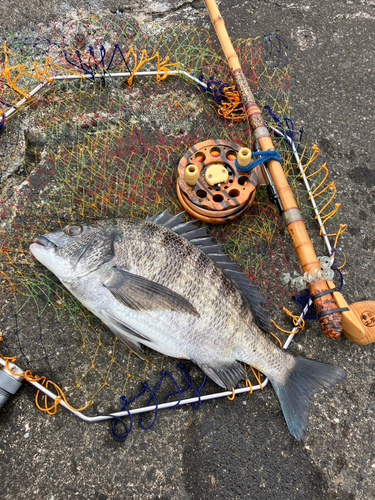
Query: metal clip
(9, 383)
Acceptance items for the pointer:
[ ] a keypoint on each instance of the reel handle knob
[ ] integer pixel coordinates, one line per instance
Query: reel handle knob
(191, 174)
(244, 157)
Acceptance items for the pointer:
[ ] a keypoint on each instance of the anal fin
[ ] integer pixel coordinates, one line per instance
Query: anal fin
(226, 376)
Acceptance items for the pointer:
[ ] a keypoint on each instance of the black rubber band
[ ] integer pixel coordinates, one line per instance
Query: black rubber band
(325, 313)
(324, 292)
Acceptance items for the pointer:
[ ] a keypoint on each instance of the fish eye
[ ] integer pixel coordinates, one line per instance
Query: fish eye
(73, 230)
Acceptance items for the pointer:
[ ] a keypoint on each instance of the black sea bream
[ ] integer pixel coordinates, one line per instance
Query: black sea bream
(164, 284)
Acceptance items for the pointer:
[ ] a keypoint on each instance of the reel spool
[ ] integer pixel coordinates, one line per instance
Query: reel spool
(209, 186)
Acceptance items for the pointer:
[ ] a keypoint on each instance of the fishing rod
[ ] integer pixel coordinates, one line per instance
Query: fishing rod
(328, 313)
(358, 318)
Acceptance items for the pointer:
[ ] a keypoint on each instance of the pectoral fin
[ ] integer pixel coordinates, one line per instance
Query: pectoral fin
(142, 294)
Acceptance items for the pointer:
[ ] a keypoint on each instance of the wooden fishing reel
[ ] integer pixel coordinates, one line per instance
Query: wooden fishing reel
(210, 187)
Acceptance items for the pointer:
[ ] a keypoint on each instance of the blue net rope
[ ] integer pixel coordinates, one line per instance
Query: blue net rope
(120, 437)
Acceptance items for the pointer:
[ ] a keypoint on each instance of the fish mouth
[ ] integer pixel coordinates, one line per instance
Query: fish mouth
(43, 241)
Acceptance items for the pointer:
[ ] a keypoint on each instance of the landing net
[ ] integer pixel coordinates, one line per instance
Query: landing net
(104, 146)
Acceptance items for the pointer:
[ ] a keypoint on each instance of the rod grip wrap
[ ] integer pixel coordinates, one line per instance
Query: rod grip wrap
(291, 215)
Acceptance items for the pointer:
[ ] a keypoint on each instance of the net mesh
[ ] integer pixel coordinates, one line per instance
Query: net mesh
(109, 147)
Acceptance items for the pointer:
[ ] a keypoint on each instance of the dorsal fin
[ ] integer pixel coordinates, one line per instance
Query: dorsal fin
(166, 219)
(160, 217)
(254, 298)
(200, 238)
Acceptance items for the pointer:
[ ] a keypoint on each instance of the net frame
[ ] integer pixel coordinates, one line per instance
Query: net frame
(221, 394)
(113, 75)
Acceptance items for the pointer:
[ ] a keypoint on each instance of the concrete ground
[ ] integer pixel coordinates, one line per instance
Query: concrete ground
(233, 450)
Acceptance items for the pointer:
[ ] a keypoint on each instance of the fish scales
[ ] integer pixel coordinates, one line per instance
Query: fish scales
(185, 269)
(155, 287)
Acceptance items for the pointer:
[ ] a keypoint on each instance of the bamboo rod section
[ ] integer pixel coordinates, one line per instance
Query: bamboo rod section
(330, 319)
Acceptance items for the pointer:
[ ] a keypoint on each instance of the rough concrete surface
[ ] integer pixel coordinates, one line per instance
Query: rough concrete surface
(236, 450)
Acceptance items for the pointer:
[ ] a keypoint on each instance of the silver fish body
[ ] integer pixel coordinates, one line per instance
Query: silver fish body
(164, 284)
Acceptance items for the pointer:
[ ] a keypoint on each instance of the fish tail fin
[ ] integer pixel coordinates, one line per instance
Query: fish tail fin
(307, 377)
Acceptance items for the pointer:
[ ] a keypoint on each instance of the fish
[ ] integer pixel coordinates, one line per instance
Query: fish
(162, 282)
